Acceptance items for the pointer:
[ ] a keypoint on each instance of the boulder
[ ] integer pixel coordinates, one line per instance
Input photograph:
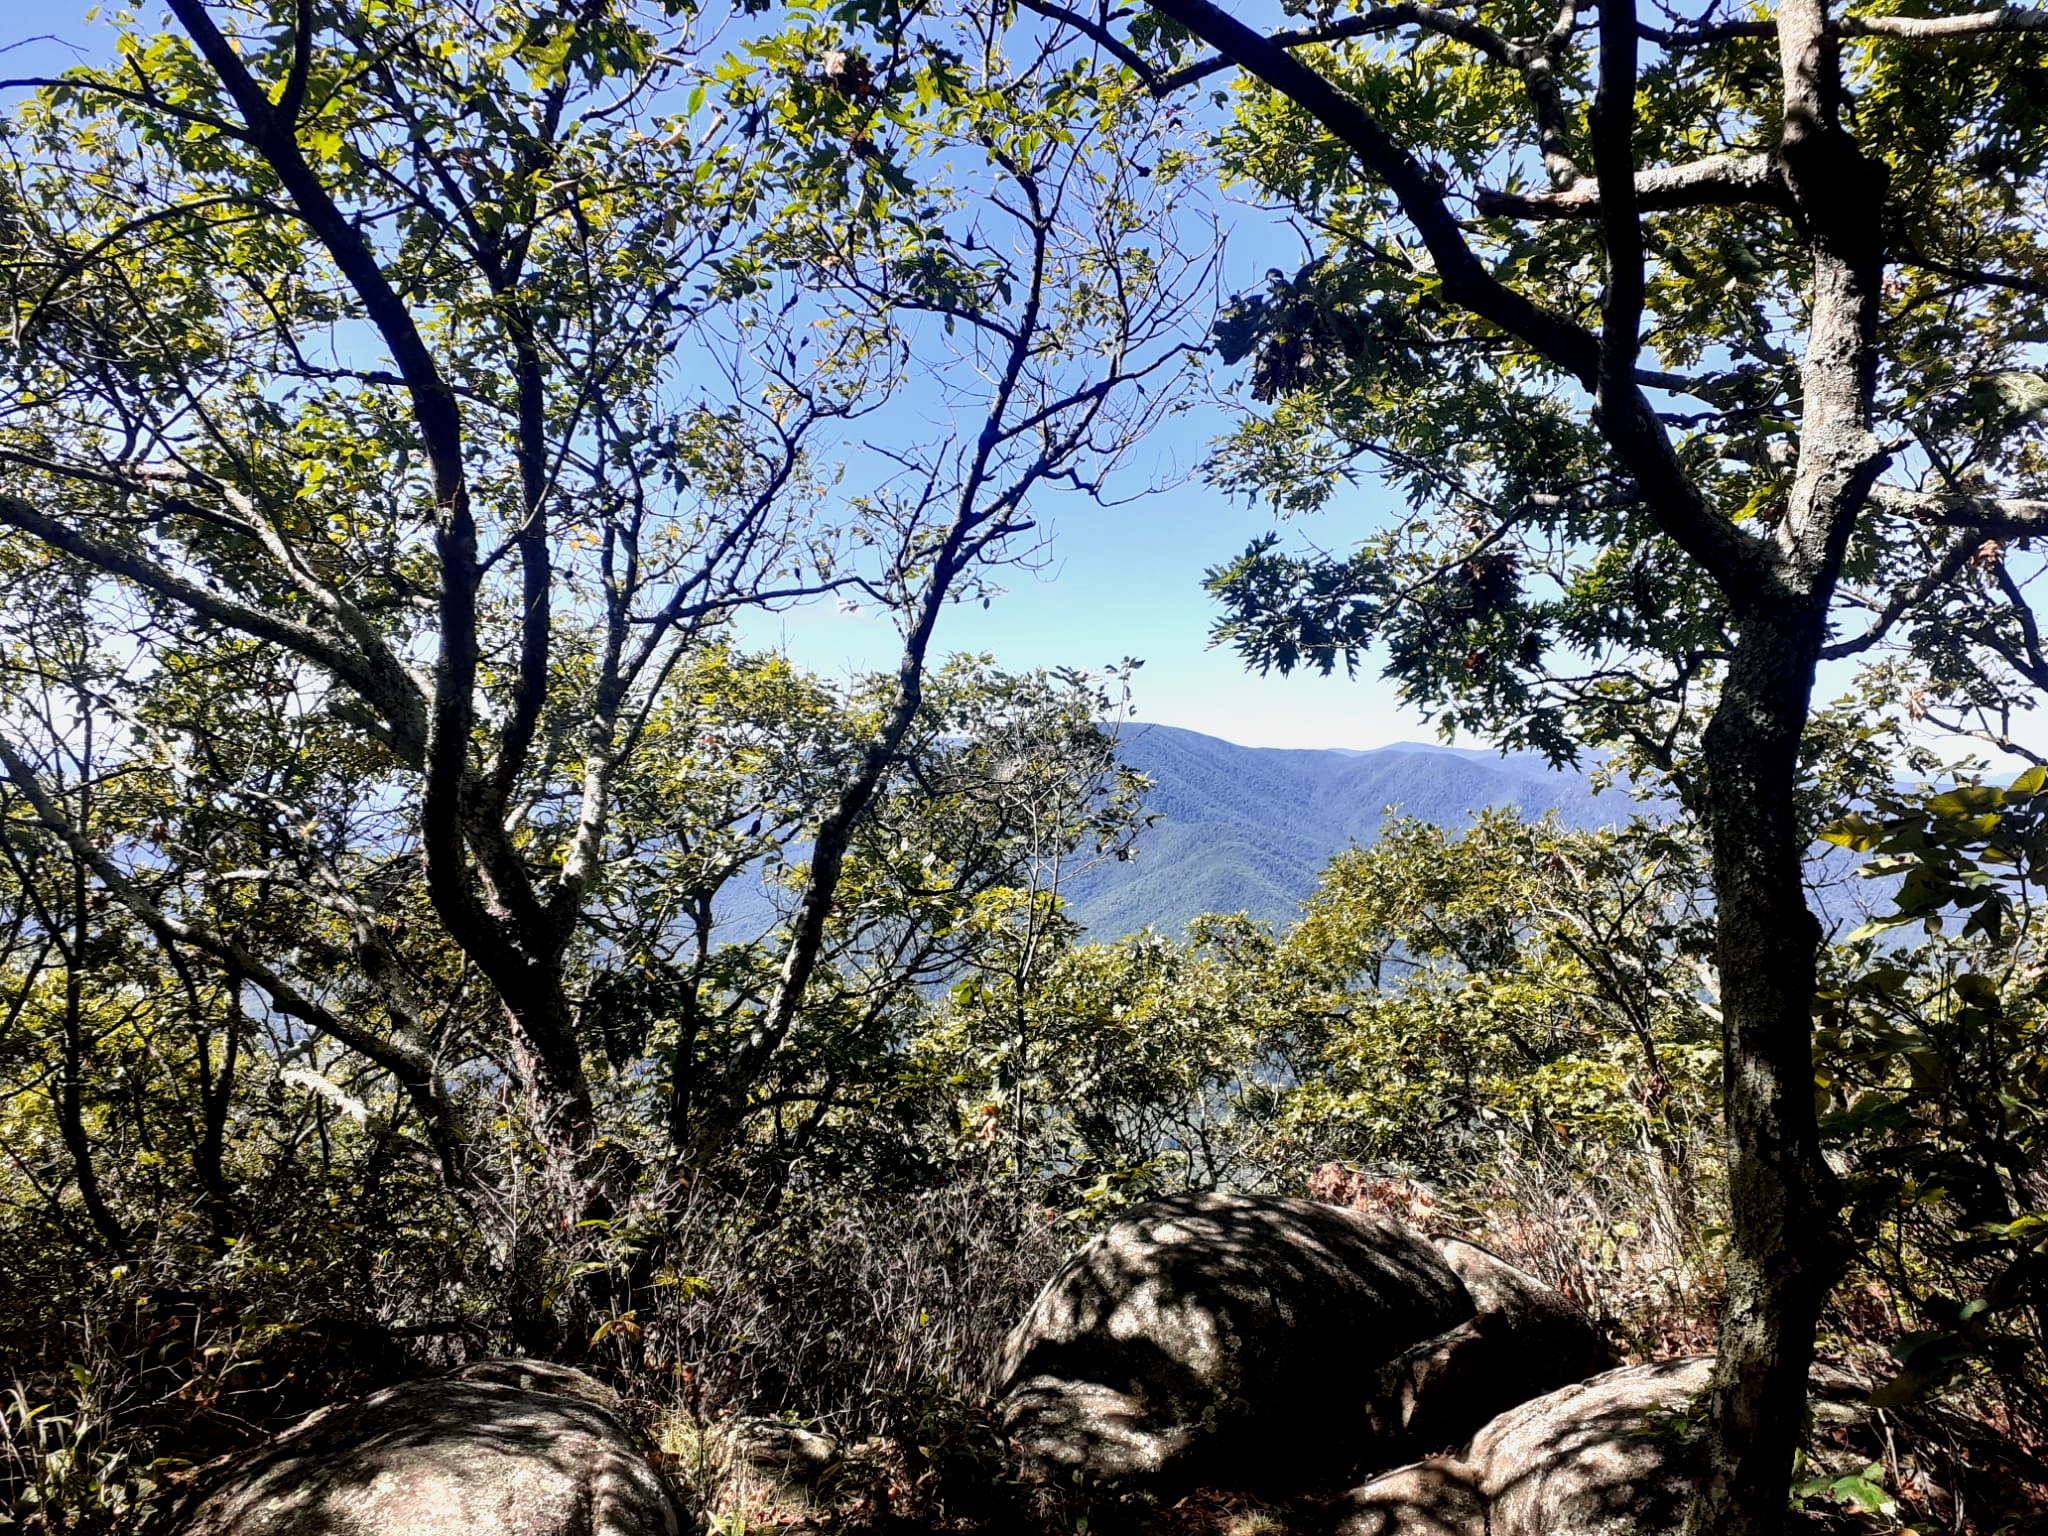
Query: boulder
(1523, 1339)
(1222, 1339)
(794, 1453)
(1618, 1455)
(506, 1446)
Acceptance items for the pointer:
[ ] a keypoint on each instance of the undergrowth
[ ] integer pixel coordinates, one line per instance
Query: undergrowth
(865, 1333)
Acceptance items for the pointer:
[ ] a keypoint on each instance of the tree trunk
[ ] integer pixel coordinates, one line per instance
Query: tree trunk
(582, 1179)
(548, 1058)
(1787, 1248)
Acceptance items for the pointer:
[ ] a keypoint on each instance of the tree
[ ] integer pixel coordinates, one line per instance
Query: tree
(425, 387)
(1057, 781)
(1699, 349)
(1122, 1070)
(1514, 974)
(961, 829)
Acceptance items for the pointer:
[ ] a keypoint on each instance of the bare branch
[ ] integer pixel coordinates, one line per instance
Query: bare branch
(1998, 736)
(1703, 34)
(1717, 181)
(1934, 29)
(1996, 517)
(1909, 596)
(1905, 29)
(1095, 32)
(1538, 65)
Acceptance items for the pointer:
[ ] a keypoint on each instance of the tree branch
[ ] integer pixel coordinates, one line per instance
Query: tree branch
(1742, 566)
(393, 697)
(438, 416)
(1905, 29)
(1536, 63)
(1703, 34)
(1934, 29)
(1465, 278)
(433, 402)
(121, 93)
(1719, 181)
(1383, 18)
(1983, 276)
(1909, 596)
(410, 1066)
(1614, 153)
(1995, 517)
(293, 96)
(2035, 667)
(1095, 32)
(966, 535)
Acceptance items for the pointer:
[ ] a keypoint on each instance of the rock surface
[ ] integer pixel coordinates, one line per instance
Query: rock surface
(1269, 1342)
(1614, 1456)
(510, 1447)
(1222, 1338)
(793, 1452)
(1523, 1339)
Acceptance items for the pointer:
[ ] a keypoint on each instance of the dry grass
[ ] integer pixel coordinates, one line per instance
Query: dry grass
(876, 1322)
(1620, 1239)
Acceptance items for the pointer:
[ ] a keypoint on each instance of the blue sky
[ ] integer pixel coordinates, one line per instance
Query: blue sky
(1128, 582)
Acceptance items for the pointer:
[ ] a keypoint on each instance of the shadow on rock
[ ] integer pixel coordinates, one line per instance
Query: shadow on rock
(1229, 1340)
(507, 1446)
(1619, 1455)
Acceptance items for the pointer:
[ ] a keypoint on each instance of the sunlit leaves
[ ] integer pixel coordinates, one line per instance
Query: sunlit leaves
(1932, 1070)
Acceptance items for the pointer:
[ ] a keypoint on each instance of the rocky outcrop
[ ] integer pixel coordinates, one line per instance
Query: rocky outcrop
(1220, 1337)
(509, 1446)
(1274, 1343)
(1618, 1455)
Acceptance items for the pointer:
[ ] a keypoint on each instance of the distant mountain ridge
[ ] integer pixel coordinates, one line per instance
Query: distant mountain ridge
(1249, 828)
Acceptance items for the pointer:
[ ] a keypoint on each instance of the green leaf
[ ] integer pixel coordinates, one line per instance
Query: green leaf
(2009, 398)
(1966, 800)
(1877, 925)
(1856, 832)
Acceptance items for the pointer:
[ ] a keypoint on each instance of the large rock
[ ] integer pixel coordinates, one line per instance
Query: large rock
(1618, 1455)
(1523, 1339)
(509, 1447)
(1224, 1339)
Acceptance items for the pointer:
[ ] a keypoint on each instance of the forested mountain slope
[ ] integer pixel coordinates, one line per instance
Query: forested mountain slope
(1250, 828)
